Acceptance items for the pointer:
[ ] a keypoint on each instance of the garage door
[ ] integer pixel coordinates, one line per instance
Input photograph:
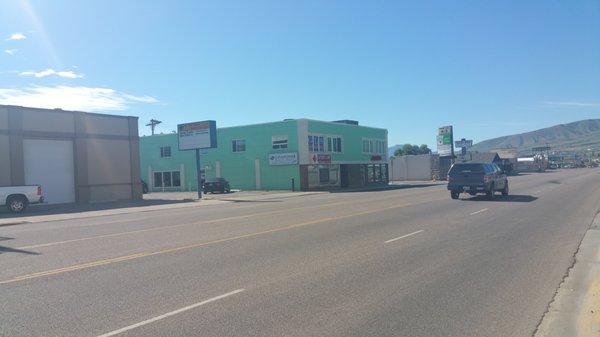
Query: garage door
(50, 163)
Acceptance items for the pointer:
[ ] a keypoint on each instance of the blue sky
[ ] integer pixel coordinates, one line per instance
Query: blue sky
(489, 68)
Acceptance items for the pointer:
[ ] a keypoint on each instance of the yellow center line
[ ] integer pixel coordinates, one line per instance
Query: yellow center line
(191, 246)
(196, 223)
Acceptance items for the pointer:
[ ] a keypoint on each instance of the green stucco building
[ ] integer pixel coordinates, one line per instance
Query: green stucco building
(313, 154)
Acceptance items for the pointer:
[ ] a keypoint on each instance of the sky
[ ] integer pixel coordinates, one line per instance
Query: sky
(489, 68)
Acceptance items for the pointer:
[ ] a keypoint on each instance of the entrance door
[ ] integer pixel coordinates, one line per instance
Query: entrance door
(49, 163)
(344, 178)
(324, 175)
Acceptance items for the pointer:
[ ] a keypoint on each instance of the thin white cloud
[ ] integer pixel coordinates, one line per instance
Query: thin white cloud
(16, 37)
(573, 104)
(11, 51)
(51, 72)
(72, 98)
(141, 99)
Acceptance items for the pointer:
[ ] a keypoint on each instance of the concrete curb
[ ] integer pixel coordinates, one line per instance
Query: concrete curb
(575, 309)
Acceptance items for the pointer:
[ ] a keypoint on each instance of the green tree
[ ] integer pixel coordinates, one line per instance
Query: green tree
(409, 149)
(423, 149)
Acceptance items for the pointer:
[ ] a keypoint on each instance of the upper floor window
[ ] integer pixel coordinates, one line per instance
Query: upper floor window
(165, 152)
(279, 142)
(238, 145)
(334, 144)
(373, 146)
(316, 143)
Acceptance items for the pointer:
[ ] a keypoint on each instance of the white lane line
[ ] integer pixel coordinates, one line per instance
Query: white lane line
(157, 318)
(403, 236)
(479, 211)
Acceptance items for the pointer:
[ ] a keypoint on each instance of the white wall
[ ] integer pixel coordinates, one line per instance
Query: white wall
(407, 168)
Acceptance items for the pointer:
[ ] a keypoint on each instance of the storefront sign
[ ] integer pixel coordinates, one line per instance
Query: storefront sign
(321, 158)
(290, 158)
(376, 157)
(197, 135)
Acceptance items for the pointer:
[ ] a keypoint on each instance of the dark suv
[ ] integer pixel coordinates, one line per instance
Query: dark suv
(476, 178)
(216, 185)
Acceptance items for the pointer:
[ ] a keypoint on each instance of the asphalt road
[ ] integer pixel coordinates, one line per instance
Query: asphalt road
(404, 262)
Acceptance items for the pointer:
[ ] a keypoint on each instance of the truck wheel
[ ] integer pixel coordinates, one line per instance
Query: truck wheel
(505, 189)
(16, 204)
(454, 195)
(490, 193)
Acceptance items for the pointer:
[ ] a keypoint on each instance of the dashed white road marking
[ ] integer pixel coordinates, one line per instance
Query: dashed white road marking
(178, 311)
(479, 211)
(404, 236)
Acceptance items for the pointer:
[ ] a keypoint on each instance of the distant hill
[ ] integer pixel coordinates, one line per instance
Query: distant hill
(576, 136)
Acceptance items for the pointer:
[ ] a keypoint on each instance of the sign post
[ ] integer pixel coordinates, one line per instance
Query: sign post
(196, 136)
(445, 147)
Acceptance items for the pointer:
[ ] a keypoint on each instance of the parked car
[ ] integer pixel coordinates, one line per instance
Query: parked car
(216, 185)
(476, 178)
(17, 198)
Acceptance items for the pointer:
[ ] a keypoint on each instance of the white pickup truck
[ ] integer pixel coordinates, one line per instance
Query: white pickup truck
(17, 198)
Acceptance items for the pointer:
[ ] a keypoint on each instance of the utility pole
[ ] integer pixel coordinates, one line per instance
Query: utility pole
(153, 123)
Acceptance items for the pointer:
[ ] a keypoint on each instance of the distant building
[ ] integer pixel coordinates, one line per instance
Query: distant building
(75, 156)
(311, 154)
(483, 157)
(508, 156)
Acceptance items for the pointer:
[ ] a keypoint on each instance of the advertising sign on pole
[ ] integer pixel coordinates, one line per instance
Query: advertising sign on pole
(445, 141)
(196, 136)
(467, 143)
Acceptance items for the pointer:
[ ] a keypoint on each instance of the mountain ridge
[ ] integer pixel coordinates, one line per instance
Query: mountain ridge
(575, 136)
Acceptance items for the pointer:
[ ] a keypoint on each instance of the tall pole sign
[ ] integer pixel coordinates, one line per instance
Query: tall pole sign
(445, 148)
(445, 141)
(197, 136)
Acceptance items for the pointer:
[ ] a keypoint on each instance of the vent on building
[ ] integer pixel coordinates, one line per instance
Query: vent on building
(347, 121)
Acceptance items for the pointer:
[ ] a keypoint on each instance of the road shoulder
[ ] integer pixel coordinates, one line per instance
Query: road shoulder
(575, 310)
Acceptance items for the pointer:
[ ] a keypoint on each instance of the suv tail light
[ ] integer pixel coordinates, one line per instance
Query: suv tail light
(39, 190)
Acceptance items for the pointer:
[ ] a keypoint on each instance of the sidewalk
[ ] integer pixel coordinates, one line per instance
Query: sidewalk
(152, 202)
(575, 310)
(44, 213)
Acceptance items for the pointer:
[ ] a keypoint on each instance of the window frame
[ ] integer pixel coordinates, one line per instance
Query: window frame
(279, 142)
(234, 145)
(163, 151)
(318, 142)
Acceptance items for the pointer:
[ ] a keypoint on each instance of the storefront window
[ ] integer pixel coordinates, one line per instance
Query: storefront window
(384, 170)
(377, 169)
(321, 176)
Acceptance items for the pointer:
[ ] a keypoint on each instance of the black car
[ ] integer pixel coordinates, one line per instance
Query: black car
(476, 178)
(216, 185)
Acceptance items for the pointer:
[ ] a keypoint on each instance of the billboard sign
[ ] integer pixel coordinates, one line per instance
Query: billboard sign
(290, 158)
(445, 141)
(464, 143)
(197, 135)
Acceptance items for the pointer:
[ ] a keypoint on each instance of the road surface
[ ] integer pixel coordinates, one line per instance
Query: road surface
(400, 262)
